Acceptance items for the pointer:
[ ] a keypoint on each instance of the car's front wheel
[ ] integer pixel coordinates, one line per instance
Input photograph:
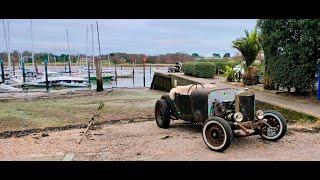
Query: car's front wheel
(217, 134)
(276, 126)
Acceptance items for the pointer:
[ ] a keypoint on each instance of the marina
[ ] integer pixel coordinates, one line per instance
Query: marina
(113, 77)
(78, 71)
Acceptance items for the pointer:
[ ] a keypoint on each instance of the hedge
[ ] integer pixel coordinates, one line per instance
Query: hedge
(204, 70)
(199, 69)
(291, 50)
(188, 68)
(220, 64)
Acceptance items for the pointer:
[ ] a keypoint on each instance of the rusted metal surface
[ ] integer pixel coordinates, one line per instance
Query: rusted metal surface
(245, 104)
(199, 105)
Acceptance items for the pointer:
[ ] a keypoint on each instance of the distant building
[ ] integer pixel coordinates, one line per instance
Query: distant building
(216, 56)
(227, 55)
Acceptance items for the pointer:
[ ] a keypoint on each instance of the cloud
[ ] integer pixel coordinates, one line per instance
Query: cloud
(172, 42)
(150, 36)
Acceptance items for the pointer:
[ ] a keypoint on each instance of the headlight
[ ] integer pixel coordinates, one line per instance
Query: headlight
(238, 116)
(260, 114)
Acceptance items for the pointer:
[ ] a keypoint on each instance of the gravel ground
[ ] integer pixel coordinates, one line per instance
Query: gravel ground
(145, 141)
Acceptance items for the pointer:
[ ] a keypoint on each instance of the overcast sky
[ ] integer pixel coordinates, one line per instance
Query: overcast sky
(147, 36)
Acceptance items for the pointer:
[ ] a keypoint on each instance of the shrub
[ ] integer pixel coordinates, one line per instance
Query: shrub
(204, 69)
(220, 64)
(188, 68)
(229, 73)
(199, 69)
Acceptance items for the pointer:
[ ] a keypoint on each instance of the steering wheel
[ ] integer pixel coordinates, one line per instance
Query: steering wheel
(196, 87)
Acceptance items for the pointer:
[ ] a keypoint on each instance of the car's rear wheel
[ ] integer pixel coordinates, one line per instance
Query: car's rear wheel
(217, 134)
(276, 126)
(162, 114)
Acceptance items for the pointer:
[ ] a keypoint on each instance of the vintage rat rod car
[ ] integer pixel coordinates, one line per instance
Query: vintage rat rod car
(223, 114)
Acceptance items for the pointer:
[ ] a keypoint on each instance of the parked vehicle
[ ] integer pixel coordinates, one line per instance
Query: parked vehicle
(176, 68)
(223, 114)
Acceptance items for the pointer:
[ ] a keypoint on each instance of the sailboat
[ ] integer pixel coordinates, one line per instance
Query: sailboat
(55, 79)
(106, 75)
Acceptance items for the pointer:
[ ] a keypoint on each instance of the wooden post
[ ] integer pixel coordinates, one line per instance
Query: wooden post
(97, 63)
(144, 60)
(144, 75)
(115, 73)
(133, 73)
(2, 71)
(133, 70)
(99, 66)
(89, 72)
(70, 66)
(23, 71)
(46, 74)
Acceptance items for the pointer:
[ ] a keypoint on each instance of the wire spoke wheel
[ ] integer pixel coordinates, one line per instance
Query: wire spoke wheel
(275, 127)
(217, 134)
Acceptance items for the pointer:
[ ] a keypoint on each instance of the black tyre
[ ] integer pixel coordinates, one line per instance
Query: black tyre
(217, 134)
(277, 128)
(162, 114)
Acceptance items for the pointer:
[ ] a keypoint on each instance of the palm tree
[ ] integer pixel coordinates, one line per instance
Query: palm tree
(248, 46)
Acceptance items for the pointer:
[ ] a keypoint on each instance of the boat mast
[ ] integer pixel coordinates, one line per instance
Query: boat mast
(98, 38)
(6, 41)
(32, 50)
(92, 49)
(9, 54)
(87, 45)
(69, 51)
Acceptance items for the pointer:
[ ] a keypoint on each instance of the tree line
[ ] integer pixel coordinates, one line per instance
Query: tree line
(115, 58)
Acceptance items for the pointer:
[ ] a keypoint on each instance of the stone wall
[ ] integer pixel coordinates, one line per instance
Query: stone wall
(167, 81)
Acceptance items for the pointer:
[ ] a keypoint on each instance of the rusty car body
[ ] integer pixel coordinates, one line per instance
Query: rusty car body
(223, 114)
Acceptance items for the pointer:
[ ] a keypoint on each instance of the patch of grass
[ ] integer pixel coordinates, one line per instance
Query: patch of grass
(41, 113)
(291, 116)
